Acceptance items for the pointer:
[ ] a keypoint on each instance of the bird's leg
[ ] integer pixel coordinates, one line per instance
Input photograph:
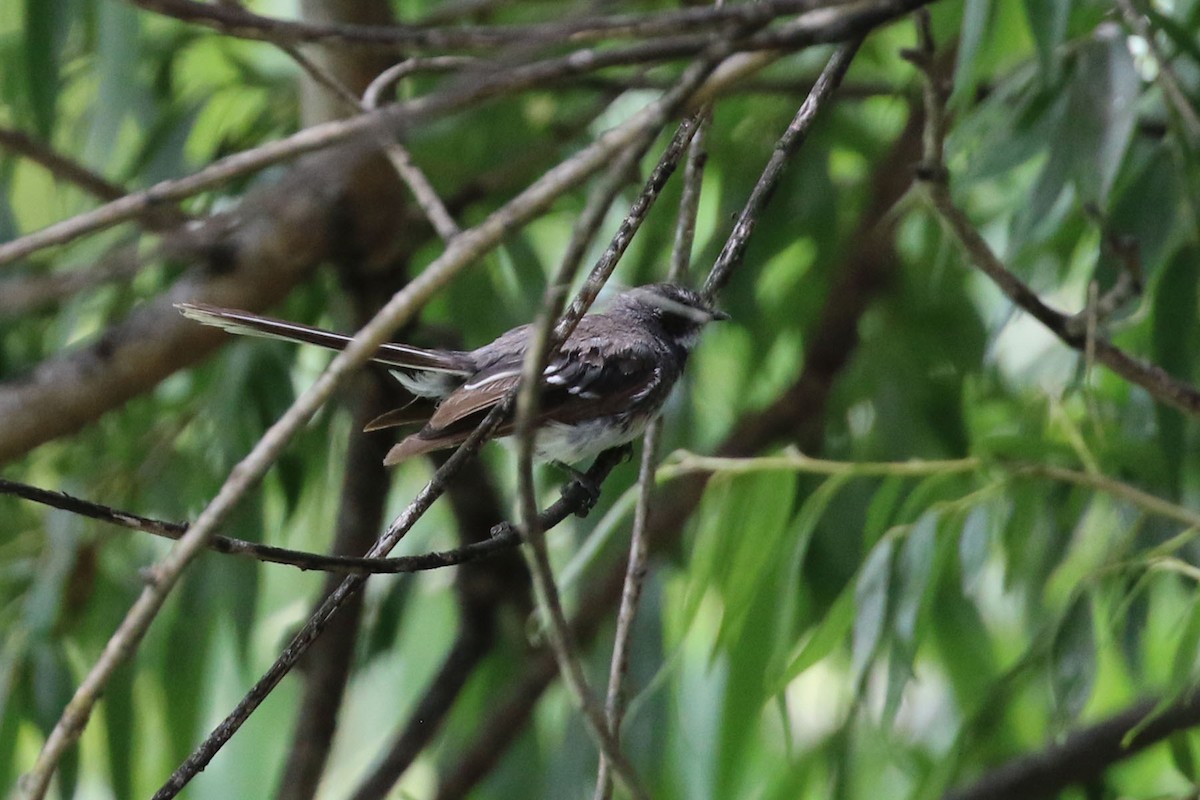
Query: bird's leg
(589, 487)
(585, 482)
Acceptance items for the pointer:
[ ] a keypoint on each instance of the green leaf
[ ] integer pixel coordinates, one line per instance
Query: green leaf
(46, 24)
(872, 606)
(976, 17)
(1175, 347)
(52, 688)
(882, 508)
(800, 535)
(822, 641)
(1048, 23)
(1073, 660)
(1102, 113)
(974, 547)
(1179, 746)
(1187, 649)
(756, 518)
(121, 728)
(914, 570)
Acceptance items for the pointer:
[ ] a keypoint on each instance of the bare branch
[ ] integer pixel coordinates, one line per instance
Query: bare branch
(333, 602)
(543, 340)
(463, 250)
(67, 169)
(504, 536)
(1155, 380)
(689, 200)
(1167, 79)
(244, 24)
(817, 27)
(734, 250)
(373, 96)
(1085, 754)
(631, 595)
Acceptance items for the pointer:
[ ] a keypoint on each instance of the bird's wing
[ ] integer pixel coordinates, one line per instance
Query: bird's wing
(415, 412)
(579, 384)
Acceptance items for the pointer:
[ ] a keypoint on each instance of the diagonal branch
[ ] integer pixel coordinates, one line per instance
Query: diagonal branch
(462, 251)
(818, 27)
(1162, 386)
(1083, 755)
(734, 251)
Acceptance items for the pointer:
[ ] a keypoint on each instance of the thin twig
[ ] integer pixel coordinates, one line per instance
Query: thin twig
(463, 250)
(635, 571)
(373, 96)
(59, 165)
(1167, 79)
(689, 200)
(818, 27)
(934, 179)
(631, 594)
(543, 340)
(350, 585)
(734, 250)
(402, 161)
(238, 22)
(67, 169)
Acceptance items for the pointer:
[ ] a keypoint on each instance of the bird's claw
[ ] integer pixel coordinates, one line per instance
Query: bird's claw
(580, 482)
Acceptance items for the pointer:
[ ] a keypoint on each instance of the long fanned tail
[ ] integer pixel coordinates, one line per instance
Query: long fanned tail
(393, 355)
(428, 373)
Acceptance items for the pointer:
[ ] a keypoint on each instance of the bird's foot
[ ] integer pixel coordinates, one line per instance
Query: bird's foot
(579, 481)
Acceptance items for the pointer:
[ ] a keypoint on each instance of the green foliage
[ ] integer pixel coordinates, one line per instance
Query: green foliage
(858, 628)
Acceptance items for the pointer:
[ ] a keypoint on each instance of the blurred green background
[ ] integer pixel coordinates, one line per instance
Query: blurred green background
(848, 636)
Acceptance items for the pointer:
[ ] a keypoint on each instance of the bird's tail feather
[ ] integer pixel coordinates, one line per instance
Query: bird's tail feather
(393, 355)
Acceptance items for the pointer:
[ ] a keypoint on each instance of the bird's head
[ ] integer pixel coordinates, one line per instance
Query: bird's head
(680, 312)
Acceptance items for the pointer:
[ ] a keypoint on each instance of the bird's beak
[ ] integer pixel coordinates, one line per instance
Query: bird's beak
(716, 315)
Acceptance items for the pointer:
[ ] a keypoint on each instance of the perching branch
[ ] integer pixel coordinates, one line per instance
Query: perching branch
(462, 251)
(635, 570)
(543, 340)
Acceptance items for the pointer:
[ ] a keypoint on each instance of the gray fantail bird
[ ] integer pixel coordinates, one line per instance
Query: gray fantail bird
(601, 387)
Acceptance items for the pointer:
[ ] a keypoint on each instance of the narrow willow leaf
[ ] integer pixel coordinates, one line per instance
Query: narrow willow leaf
(832, 630)
(1048, 23)
(974, 546)
(1182, 755)
(914, 569)
(1073, 659)
(871, 602)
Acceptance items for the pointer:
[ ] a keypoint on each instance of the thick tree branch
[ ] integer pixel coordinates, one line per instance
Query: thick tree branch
(462, 251)
(1085, 754)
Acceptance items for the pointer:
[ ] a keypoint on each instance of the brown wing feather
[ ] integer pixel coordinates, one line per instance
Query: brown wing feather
(626, 378)
(413, 413)
(414, 445)
(463, 402)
